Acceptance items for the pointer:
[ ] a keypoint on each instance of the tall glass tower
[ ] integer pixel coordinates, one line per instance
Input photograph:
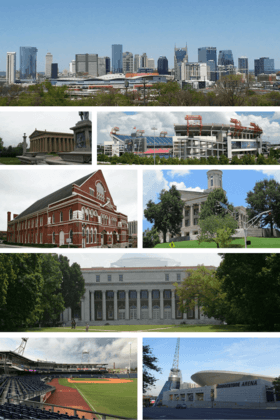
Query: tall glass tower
(28, 62)
(225, 58)
(117, 58)
(209, 55)
(162, 65)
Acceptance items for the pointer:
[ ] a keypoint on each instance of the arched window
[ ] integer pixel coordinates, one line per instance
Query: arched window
(61, 216)
(100, 193)
(53, 218)
(53, 238)
(83, 231)
(91, 235)
(87, 238)
(95, 236)
(87, 213)
(83, 213)
(71, 236)
(70, 214)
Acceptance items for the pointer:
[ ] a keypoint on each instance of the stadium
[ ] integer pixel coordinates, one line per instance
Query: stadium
(48, 390)
(191, 140)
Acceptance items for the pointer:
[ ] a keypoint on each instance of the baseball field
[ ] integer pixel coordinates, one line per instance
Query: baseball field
(106, 395)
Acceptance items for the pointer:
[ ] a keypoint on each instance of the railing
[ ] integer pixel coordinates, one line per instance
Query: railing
(75, 411)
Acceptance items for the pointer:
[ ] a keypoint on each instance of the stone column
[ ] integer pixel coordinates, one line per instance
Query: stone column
(191, 215)
(115, 305)
(138, 305)
(86, 306)
(183, 221)
(173, 304)
(161, 304)
(92, 307)
(82, 311)
(184, 313)
(126, 305)
(103, 305)
(150, 305)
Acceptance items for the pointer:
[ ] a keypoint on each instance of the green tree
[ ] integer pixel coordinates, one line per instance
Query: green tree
(168, 213)
(265, 196)
(251, 283)
(21, 284)
(217, 229)
(73, 284)
(211, 207)
(202, 287)
(151, 238)
(149, 364)
(276, 384)
(1, 144)
(52, 303)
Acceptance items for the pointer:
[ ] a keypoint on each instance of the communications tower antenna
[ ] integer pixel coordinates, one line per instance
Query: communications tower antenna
(175, 366)
(20, 349)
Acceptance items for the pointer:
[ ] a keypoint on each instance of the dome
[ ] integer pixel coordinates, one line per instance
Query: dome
(145, 260)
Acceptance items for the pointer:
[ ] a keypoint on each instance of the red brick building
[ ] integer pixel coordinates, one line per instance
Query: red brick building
(83, 212)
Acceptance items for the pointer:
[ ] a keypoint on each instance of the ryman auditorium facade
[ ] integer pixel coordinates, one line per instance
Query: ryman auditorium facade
(135, 295)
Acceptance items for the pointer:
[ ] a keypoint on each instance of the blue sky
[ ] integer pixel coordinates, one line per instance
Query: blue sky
(66, 28)
(251, 355)
(69, 350)
(165, 120)
(236, 183)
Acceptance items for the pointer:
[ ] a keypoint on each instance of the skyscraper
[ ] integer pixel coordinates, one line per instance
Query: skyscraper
(117, 58)
(225, 58)
(151, 63)
(209, 55)
(54, 70)
(136, 62)
(264, 65)
(162, 65)
(48, 67)
(180, 56)
(144, 60)
(243, 66)
(87, 63)
(127, 62)
(28, 62)
(11, 68)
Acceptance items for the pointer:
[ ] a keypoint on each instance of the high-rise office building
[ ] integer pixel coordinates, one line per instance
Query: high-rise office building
(117, 58)
(225, 58)
(243, 66)
(136, 62)
(28, 62)
(108, 64)
(180, 56)
(48, 67)
(127, 62)
(87, 63)
(11, 68)
(72, 67)
(54, 71)
(151, 63)
(144, 60)
(209, 55)
(162, 65)
(103, 66)
(264, 65)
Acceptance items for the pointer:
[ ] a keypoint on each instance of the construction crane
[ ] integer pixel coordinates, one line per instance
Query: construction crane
(20, 349)
(194, 120)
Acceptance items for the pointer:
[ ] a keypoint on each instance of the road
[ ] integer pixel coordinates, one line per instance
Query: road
(209, 413)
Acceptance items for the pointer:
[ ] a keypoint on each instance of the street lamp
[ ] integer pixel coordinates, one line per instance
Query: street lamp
(154, 130)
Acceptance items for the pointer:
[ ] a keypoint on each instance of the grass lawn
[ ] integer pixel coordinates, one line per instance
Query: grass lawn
(255, 243)
(151, 328)
(117, 399)
(9, 161)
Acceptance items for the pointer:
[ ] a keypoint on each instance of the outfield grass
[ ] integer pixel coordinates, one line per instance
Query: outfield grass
(9, 161)
(117, 399)
(255, 243)
(151, 328)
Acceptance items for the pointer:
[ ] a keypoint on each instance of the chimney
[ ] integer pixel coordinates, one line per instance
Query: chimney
(9, 216)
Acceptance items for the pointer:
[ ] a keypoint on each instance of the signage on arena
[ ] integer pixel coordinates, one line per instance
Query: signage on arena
(237, 384)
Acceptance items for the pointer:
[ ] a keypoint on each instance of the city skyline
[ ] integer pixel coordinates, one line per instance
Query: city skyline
(206, 23)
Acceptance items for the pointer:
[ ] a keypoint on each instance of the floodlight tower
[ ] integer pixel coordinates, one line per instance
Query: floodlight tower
(174, 378)
(20, 349)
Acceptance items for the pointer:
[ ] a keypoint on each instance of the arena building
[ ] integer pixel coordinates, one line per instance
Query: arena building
(223, 389)
(82, 214)
(191, 140)
(134, 296)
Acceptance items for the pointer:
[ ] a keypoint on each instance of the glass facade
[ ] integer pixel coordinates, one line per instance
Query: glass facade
(162, 65)
(28, 62)
(264, 65)
(225, 58)
(243, 66)
(117, 58)
(209, 55)
(54, 71)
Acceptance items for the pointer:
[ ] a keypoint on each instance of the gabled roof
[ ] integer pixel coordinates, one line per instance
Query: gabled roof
(40, 133)
(53, 197)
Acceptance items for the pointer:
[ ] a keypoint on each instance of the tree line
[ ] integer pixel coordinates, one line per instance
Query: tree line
(245, 289)
(10, 151)
(36, 288)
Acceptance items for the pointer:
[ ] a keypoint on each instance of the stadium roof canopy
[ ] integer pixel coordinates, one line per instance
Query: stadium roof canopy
(214, 377)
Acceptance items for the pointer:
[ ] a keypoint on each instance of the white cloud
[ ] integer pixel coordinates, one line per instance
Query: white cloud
(178, 173)
(153, 182)
(182, 186)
